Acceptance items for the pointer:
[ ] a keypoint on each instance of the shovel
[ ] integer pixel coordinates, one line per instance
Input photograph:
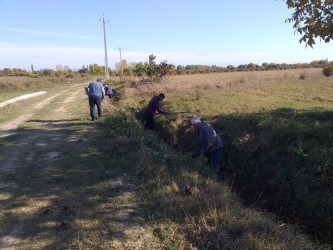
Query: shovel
(181, 112)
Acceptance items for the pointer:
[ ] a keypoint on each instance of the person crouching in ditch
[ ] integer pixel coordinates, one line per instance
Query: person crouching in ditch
(109, 92)
(211, 143)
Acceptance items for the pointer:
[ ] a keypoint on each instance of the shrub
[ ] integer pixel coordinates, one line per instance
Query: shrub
(302, 76)
(328, 70)
(285, 161)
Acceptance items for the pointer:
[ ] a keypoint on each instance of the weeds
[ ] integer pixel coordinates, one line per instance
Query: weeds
(123, 187)
(302, 76)
(287, 160)
(211, 216)
(273, 157)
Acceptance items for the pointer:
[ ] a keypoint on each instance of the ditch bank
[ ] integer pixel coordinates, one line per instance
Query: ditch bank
(275, 161)
(278, 161)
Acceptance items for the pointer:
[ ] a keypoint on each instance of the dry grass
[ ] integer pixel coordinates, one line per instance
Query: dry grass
(240, 93)
(209, 94)
(125, 188)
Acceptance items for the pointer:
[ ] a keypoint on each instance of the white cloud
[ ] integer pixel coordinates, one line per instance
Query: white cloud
(48, 57)
(41, 33)
(42, 56)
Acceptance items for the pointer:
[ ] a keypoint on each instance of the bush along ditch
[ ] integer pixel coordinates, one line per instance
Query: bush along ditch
(183, 203)
(282, 161)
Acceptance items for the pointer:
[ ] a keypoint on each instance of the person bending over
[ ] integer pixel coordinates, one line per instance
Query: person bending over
(211, 143)
(152, 109)
(95, 92)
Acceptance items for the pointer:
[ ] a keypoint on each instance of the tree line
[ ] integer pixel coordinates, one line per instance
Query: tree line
(152, 69)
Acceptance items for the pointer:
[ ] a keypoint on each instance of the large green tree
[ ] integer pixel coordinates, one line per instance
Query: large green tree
(312, 19)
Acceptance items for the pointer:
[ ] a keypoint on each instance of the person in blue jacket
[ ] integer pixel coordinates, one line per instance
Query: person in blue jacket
(95, 92)
(211, 143)
(109, 91)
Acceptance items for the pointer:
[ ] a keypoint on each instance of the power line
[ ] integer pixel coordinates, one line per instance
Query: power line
(107, 7)
(106, 1)
(114, 10)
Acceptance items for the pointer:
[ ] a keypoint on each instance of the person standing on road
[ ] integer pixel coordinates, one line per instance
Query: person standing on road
(152, 109)
(210, 142)
(95, 92)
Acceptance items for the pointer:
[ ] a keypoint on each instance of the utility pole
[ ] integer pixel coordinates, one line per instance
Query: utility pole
(121, 64)
(106, 53)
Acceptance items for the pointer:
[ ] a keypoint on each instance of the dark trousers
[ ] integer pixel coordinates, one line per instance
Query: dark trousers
(150, 122)
(214, 158)
(95, 100)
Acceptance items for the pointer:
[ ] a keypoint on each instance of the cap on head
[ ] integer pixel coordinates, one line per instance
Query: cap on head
(99, 80)
(195, 121)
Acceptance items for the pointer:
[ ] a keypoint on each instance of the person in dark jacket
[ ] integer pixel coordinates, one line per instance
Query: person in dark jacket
(152, 109)
(109, 91)
(210, 142)
(95, 92)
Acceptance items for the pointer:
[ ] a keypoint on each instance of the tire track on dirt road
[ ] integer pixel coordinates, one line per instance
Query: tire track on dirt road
(9, 128)
(41, 148)
(20, 157)
(62, 111)
(15, 153)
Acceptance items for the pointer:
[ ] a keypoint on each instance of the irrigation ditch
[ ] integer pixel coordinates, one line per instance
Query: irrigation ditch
(265, 166)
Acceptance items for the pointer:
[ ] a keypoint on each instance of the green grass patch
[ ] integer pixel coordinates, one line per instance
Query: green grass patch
(210, 216)
(281, 160)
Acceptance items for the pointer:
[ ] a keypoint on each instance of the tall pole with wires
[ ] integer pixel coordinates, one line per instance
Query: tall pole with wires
(106, 53)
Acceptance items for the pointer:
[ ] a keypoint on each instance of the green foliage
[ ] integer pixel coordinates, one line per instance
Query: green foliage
(286, 158)
(48, 72)
(163, 69)
(208, 218)
(312, 19)
(139, 69)
(150, 68)
(83, 71)
(96, 69)
(328, 70)
(157, 71)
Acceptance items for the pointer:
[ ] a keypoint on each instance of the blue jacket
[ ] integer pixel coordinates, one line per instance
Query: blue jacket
(95, 89)
(108, 90)
(206, 135)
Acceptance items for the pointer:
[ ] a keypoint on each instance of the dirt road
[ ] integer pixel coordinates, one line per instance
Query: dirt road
(50, 165)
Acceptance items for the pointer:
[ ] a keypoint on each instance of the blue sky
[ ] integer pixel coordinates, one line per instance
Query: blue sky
(46, 33)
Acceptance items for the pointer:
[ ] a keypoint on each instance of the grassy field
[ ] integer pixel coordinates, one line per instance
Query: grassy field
(277, 128)
(112, 185)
